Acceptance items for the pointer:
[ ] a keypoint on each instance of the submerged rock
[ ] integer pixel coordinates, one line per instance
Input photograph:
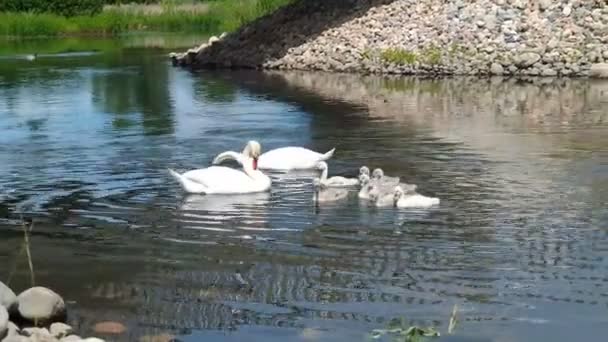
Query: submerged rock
(8, 299)
(41, 304)
(110, 328)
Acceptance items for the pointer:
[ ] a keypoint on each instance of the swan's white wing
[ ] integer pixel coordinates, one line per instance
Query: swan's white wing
(221, 179)
(291, 157)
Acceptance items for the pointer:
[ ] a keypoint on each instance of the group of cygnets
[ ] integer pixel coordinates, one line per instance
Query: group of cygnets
(383, 191)
(379, 189)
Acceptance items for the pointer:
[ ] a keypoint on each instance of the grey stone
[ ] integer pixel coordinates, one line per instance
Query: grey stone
(599, 70)
(3, 321)
(213, 39)
(13, 329)
(544, 4)
(7, 298)
(527, 59)
(60, 330)
(548, 72)
(41, 304)
(567, 10)
(39, 335)
(496, 69)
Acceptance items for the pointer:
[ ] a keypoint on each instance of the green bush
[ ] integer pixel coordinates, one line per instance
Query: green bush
(66, 8)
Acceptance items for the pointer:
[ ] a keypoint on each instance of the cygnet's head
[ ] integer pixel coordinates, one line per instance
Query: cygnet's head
(398, 193)
(363, 179)
(364, 170)
(378, 173)
(322, 165)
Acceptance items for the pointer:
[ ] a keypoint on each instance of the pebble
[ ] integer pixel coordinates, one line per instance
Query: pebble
(60, 330)
(41, 304)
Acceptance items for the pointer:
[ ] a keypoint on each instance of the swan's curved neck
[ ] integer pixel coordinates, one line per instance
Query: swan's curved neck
(324, 174)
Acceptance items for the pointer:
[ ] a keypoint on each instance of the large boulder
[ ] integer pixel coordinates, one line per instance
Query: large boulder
(7, 298)
(42, 305)
(599, 70)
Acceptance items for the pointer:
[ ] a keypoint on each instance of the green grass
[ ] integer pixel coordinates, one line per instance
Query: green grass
(226, 15)
(398, 56)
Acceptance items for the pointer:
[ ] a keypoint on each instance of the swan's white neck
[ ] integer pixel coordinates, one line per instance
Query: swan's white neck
(324, 174)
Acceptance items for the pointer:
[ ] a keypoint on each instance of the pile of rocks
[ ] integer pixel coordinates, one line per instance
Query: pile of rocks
(482, 37)
(40, 312)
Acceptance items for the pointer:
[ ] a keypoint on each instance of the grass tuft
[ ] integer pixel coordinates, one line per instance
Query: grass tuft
(398, 56)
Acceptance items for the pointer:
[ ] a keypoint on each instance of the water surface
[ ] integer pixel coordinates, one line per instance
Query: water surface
(518, 242)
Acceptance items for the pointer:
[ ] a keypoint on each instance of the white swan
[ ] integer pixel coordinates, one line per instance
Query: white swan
(335, 181)
(225, 180)
(382, 180)
(323, 194)
(403, 200)
(284, 158)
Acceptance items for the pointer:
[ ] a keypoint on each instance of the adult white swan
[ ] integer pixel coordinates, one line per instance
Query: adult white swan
(283, 158)
(225, 180)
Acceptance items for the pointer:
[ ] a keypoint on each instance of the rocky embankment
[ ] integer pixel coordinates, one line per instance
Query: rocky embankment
(483, 37)
(36, 315)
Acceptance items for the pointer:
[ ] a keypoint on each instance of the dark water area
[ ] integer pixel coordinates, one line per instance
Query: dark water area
(519, 241)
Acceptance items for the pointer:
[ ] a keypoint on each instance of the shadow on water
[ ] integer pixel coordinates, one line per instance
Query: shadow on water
(517, 242)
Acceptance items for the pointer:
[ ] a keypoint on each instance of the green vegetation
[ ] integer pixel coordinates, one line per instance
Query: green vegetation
(398, 56)
(401, 331)
(62, 7)
(217, 16)
(431, 55)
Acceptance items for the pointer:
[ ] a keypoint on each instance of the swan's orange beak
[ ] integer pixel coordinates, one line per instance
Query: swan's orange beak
(255, 163)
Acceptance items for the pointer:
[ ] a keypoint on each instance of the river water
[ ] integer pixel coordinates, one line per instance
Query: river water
(519, 242)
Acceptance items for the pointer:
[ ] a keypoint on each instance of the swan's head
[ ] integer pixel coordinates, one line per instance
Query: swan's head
(253, 150)
(364, 179)
(378, 173)
(364, 170)
(322, 165)
(316, 183)
(398, 193)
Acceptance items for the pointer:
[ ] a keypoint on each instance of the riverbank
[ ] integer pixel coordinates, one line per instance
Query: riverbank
(486, 37)
(211, 18)
(35, 315)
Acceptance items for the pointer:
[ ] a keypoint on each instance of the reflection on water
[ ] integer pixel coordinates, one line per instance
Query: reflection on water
(518, 241)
